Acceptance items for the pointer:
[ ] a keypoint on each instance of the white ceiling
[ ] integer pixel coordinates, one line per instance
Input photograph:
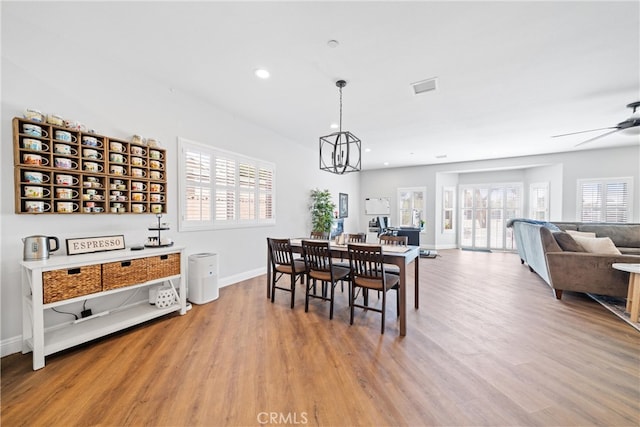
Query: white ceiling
(510, 74)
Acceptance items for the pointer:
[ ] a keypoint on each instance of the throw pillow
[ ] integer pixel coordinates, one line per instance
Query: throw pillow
(598, 245)
(567, 243)
(582, 233)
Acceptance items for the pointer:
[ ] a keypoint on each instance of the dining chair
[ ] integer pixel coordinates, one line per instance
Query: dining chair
(393, 241)
(349, 238)
(367, 272)
(283, 263)
(319, 266)
(319, 235)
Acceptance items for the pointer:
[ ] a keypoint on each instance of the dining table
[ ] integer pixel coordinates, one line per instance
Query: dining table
(401, 256)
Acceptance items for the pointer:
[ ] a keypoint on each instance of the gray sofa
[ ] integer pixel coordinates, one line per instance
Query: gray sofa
(569, 270)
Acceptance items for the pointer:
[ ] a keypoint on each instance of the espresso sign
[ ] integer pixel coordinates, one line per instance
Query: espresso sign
(86, 245)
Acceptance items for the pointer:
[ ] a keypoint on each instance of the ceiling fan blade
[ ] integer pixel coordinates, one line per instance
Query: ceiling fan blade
(584, 131)
(597, 137)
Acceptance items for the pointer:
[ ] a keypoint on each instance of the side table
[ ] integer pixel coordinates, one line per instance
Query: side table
(633, 294)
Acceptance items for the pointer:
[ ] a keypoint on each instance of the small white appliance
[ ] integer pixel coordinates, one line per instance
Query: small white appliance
(203, 278)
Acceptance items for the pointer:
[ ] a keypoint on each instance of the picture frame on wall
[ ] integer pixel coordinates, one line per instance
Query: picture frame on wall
(343, 205)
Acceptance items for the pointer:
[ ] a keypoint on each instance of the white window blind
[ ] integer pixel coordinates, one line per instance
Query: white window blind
(604, 200)
(221, 189)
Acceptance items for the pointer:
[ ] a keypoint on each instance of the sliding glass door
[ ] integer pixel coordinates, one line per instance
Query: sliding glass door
(484, 211)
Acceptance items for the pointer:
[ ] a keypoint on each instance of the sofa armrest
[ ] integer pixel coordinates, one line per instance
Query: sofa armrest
(588, 272)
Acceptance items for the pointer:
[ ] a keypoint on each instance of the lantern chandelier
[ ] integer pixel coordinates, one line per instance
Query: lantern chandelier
(340, 152)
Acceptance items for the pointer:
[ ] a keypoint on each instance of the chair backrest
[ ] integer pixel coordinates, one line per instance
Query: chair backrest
(394, 240)
(281, 253)
(366, 261)
(356, 238)
(320, 235)
(316, 255)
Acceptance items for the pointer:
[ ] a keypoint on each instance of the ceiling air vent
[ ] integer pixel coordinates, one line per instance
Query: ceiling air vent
(424, 86)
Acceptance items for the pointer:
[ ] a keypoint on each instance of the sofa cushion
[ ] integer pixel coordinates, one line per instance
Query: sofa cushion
(623, 235)
(597, 245)
(582, 233)
(567, 243)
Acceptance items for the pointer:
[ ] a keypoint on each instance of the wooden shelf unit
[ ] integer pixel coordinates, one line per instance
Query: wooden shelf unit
(103, 178)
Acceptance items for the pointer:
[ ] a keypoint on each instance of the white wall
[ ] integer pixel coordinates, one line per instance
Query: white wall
(103, 95)
(561, 170)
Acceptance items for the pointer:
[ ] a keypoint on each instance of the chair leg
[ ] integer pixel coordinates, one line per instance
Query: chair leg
(384, 309)
(293, 289)
(397, 302)
(273, 287)
(306, 296)
(333, 291)
(352, 296)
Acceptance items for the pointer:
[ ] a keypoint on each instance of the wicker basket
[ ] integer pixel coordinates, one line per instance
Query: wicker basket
(124, 273)
(64, 284)
(163, 266)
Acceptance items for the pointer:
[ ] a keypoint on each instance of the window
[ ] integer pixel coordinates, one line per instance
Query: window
(539, 201)
(221, 189)
(448, 209)
(604, 200)
(411, 206)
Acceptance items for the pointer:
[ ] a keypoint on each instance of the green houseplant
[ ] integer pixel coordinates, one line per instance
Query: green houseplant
(322, 208)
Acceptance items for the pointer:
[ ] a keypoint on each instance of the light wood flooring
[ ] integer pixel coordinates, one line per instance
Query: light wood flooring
(489, 346)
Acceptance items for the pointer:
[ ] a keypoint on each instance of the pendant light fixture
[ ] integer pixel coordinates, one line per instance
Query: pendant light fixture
(340, 152)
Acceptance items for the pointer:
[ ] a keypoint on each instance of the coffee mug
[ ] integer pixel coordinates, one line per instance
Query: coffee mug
(156, 188)
(116, 146)
(137, 139)
(35, 177)
(66, 193)
(66, 180)
(91, 141)
(138, 161)
(92, 167)
(55, 119)
(90, 153)
(122, 198)
(64, 149)
(156, 208)
(114, 209)
(86, 209)
(35, 192)
(34, 130)
(157, 197)
(90, 204)
(34, 144)
(33, 115)
(36, 206)
(64, 163)
(116, 170)
(155, 154)
(98, 209)
(116, 158)
(138, 186)
(152, 142)
(137, 197)
(138, 207)
(156, 164)
(138, 172)
(137, 151)
(66, 207)
(34, 159)
(116, 205)
(63, 135)
(155, 175)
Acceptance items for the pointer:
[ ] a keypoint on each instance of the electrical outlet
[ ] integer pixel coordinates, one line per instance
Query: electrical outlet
(85, 313)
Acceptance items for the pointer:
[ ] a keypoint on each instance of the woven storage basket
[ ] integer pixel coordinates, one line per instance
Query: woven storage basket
(124, 273)
(163, 266)
(58, 285)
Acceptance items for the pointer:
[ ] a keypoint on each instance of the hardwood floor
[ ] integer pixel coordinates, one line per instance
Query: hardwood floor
(489, 345)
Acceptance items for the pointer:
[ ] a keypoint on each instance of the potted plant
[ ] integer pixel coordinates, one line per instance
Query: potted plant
(322, 208)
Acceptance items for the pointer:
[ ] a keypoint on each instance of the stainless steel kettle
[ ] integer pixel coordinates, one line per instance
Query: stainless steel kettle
(38, 247)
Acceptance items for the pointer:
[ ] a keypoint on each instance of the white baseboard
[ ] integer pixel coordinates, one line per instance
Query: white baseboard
(14, 344)
(10, 346)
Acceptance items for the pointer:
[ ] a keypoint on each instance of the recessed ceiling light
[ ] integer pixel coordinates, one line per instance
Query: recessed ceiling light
(386, 163)
(441, 156)
(367, 150)
(334, 126)
(333, 43)
(262, 73)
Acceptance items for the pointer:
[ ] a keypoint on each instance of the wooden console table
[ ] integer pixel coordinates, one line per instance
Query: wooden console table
(148, 267)
(633, 295)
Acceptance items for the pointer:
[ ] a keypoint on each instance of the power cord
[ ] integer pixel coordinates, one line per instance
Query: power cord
(64, 312)
(85, 312)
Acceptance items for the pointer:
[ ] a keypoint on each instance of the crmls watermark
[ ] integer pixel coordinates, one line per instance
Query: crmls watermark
(288, 418)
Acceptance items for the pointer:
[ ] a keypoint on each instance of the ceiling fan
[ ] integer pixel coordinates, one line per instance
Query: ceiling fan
(631, 122)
